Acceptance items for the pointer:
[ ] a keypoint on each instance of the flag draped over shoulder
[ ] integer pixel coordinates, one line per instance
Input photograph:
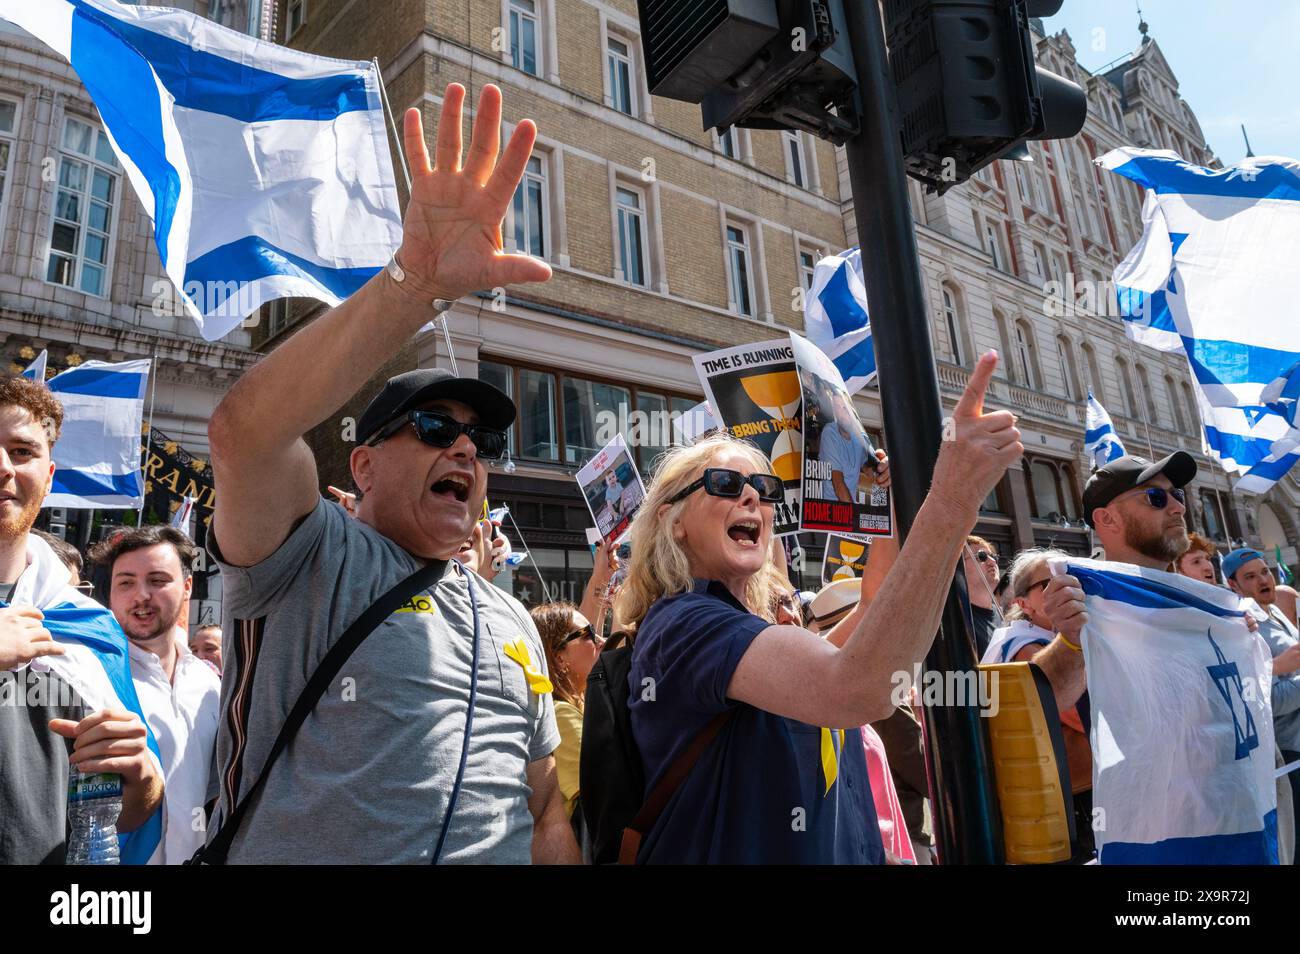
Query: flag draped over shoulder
(1100, 442)
(835, 317)
(266, 170)
(1214, 276)
(96, 662)
(97, 456)
(1182, 728)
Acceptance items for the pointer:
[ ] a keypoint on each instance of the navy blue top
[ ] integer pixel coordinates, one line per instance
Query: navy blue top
(757, 795)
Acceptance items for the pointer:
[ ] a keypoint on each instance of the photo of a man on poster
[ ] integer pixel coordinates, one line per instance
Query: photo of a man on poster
(844, 446)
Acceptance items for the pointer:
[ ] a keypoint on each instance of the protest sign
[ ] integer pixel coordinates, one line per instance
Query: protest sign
(754, 392)
(845, 559)
(839, 492)
(695, 423)
(612, 488)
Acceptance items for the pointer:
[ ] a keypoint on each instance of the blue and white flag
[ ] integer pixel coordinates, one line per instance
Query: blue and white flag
(181, 518)
(95, 663)
(1215, 268)
(97, 457)
(36, 370)
(835, 317)
(1182, 726)
(1254, 442)
(1100, 442)
(266, 171)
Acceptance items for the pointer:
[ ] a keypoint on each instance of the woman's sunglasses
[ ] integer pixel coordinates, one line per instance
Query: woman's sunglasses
(1158, 497)
(983, 556)
(441, 430)
(721, 482)
(587, 632)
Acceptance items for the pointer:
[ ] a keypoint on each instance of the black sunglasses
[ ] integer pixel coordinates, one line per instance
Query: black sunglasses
(1033, 586)
(1158, 497)
(721, 482)
(587, 632)
(983, 556)
(442, 430)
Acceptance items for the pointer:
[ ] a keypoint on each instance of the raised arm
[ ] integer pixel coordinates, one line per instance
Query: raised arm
(786, 672)
(451, 245)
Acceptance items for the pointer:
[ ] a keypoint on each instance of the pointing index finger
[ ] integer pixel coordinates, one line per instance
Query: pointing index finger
(972, 399)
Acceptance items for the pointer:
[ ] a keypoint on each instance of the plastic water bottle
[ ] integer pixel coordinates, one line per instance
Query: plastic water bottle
(94, 802)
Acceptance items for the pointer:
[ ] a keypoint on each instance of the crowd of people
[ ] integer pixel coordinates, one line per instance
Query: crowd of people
(372, 697)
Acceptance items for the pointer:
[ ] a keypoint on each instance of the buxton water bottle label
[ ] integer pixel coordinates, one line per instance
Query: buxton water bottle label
(85, 787)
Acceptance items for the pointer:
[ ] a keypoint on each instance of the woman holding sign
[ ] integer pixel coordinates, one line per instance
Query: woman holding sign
(772, 710)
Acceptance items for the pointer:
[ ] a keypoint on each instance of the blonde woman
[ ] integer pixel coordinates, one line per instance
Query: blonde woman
(784, 780)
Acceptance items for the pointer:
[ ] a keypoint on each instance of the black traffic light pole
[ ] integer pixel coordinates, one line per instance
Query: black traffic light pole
(967, 822)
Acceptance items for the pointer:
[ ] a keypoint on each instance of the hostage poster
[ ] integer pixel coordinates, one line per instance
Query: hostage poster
(845, 559)
(613, 489)
(839, 493)
(754, 392)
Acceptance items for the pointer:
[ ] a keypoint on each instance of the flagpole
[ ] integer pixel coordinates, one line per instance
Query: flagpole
(148, 437)
(529, 550)
(406, 175)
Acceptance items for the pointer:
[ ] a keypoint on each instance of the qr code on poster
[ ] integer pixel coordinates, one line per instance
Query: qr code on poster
(879, 496)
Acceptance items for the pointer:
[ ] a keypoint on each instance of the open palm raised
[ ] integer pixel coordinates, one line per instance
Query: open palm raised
(451, 239)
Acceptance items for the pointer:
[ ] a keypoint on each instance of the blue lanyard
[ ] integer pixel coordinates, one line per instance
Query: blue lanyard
(469, 720)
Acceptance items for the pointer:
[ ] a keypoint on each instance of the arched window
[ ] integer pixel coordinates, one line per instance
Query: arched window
(1069, 377)
(1193, 409)
(1027, 356)
(1126, 387)
(1174, 403)
(1007, 366)
(1148, 396)
(952, 325)
(1052, 490)
(1094, 372)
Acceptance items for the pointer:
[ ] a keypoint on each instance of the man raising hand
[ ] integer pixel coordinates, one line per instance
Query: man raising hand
(390, 741)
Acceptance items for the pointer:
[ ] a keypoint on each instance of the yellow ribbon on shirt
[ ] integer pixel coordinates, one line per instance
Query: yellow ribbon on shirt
(830, 757)
(518, 651)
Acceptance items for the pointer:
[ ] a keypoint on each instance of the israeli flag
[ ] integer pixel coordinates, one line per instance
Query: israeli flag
(835, 318)
(36, 370)
(1253, 441)
(1215, 268)
(1100, 442)
(266, 171)
(97, 457)
(1182, 726)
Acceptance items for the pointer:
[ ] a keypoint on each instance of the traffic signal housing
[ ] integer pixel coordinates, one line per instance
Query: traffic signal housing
(968, 89)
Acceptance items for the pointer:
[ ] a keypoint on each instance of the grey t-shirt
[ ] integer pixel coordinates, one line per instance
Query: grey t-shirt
(368, 776)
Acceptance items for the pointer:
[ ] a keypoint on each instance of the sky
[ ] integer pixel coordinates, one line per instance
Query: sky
(1236, 61)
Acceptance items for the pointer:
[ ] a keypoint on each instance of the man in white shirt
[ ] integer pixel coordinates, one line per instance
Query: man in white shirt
(149, 571)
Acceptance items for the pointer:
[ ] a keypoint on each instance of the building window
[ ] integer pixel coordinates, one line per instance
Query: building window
(1094, 373)
(528, 211)
(501, 377)
(1148, 396)
(740, 289)
(631, 236)
(1126, 385)
(537, 424)
(1057, 265)
(585, 403)
(622, 86)
(1052, 490)
(1068, 378)
(993, 245)
(727, 143)
(1025, 355)
(1172, 392)
(81, 234)
(277, 316)
(807, 267)
(8, 123)
(1040, 263)
(295, 17)
(1193, 409)
(951, 323)
(796, 160)
(524, 48)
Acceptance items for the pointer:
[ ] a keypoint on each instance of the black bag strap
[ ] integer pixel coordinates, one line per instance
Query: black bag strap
(214, 853)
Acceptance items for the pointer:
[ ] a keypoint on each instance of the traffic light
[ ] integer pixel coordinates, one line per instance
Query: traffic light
(765, 64)
(968, 89)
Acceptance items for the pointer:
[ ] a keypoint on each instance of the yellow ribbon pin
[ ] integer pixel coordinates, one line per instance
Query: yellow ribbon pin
(518, 651)
(830, 757)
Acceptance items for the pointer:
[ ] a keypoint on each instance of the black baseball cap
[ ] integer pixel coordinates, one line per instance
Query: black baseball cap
(411, 389)
(1125, 473)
